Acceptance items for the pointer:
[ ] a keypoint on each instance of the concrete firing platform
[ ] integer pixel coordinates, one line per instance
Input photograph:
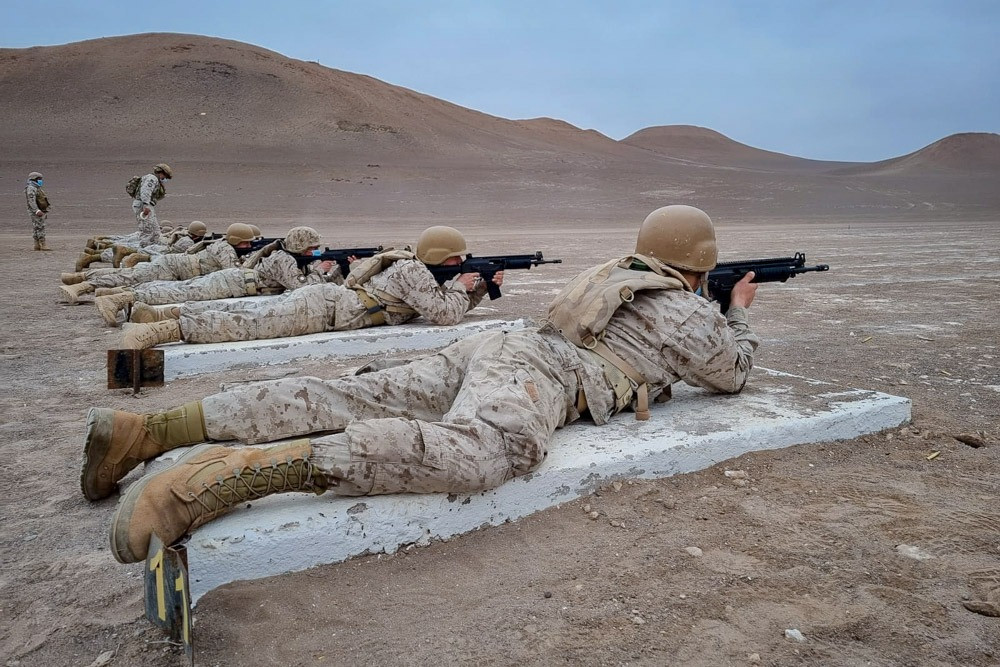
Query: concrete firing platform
(694, 430)
(182, 360)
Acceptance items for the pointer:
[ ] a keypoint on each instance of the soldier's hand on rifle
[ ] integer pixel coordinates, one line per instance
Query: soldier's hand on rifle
(498, 278)
(744, 291)
(324, 267)
(469, 281)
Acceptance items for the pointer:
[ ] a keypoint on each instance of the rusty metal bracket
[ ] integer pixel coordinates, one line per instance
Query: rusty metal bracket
(132, 369)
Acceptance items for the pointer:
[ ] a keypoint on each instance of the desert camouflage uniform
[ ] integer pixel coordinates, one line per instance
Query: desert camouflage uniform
(149, 229)
(37, 221)
(330, 307)
(277, 271)
(217, 256)
(482, 410)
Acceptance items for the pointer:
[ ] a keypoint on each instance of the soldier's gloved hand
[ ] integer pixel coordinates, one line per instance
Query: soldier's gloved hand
(743, 292)
(146, 211)
(325, 266)
(39, 213)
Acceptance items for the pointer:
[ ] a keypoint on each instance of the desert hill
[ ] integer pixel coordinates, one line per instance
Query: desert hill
(262, 134)
(701, 145)
(976, 152)
(199, 96)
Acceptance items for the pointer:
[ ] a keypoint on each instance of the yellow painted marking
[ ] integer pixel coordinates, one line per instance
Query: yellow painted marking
(179, 586)
(156, 565)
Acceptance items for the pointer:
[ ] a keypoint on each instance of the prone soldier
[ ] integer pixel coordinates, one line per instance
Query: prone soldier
(462, 420)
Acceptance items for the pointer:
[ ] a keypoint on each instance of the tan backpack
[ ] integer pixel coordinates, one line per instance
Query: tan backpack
(584, 307)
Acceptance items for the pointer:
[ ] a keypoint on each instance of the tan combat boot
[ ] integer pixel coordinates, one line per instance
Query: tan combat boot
(108, 291)
(145, 336)
(74, 292)
(72, 278)
(133, 259)
(43, 246)
(121, 251)
(38, 246)
(86, 259)
(119, 441)
(203, 484)
(144, 314)
(108, 306)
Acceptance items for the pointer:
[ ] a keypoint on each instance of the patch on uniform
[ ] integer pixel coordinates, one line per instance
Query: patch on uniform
(532, 389)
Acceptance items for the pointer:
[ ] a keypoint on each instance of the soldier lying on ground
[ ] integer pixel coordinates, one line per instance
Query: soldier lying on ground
(118, 250)
(225, 253)
(462, 420)
(274, 268)
(392, 287)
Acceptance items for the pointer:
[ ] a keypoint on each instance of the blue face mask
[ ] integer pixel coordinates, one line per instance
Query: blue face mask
(39, 182)
(698, 291)
(317, 252)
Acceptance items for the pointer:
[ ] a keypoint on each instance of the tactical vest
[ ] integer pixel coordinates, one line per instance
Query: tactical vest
(376, 301)
(41, 200)
(159, 192)
(584, 307)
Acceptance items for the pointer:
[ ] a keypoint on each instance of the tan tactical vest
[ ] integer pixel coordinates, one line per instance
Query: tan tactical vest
(41, 200)
(584, 307)
(376, 301)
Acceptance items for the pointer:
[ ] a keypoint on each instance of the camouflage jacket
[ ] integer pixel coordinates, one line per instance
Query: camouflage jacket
(37, 201)
(150, 190)
(409, 282)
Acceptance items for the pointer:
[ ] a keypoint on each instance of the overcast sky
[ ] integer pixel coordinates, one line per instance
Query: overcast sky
(835, 80)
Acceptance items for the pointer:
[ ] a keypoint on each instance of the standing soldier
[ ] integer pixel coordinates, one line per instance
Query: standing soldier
(38, 209)
(149, 192)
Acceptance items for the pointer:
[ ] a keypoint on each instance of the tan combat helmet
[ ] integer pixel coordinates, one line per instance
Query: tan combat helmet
(680, 236)
(436, 244)
(197, 228)
(34, 176)
(300, 239)
(257, 234)
(238, 233)
(165, 169)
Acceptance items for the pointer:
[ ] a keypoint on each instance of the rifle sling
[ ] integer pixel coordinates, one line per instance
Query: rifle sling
(375, 309)
(610, 363)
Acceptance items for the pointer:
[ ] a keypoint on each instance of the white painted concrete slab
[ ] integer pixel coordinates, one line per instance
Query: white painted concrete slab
(691, 432)
(185, 360)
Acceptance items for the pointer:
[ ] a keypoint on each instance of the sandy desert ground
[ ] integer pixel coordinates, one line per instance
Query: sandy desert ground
(909, 308)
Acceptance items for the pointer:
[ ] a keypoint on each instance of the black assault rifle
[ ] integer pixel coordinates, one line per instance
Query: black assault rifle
(725, 275)
(338, 255)
(488, 266)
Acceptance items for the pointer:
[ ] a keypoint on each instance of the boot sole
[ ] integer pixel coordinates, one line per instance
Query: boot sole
(123, 515)
(95, 448)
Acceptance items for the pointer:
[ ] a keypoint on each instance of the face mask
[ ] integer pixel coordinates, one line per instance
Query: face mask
(698, 291)
(39, 181)
(316, 253)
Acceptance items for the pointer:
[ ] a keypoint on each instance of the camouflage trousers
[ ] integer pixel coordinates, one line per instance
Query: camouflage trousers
(149, 228)
(37, 227)
(464, 419)
(224, 284)
(306, 310)
(165, 267)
